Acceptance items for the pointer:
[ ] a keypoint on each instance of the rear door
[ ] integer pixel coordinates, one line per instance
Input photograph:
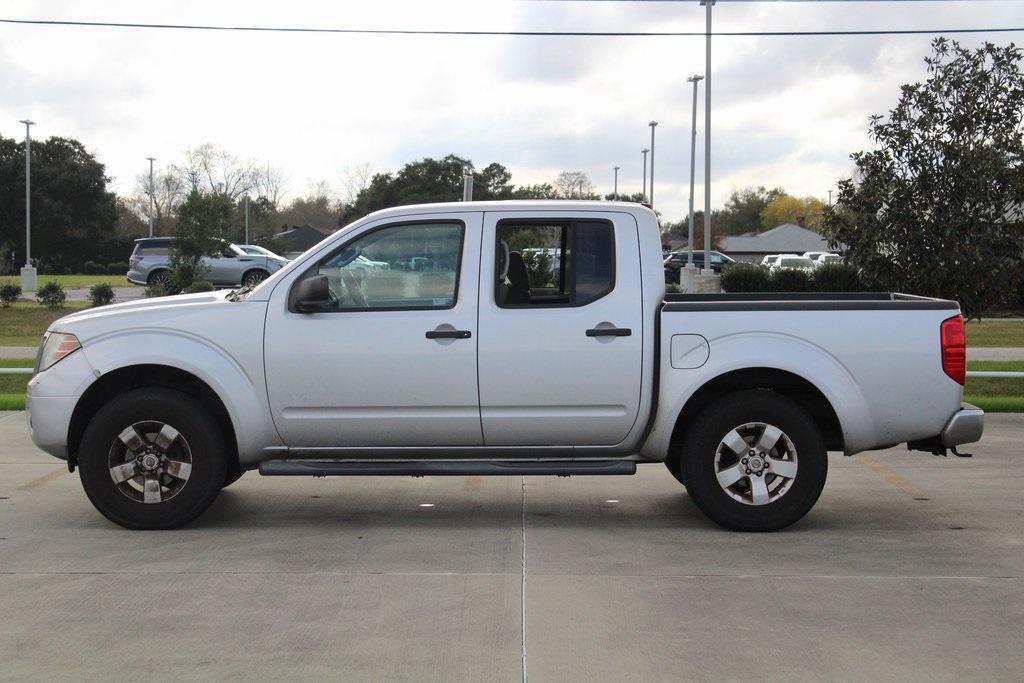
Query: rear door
(561, 336)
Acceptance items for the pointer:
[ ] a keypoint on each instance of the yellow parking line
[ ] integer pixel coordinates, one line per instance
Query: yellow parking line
(890, 476)
(36, 483)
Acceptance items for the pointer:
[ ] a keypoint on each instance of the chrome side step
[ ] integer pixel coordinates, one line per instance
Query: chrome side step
(325, 468)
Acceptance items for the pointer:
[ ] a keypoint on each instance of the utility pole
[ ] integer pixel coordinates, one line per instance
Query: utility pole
(28, 273)
(644, 193)
(467, 185)
(830, 197)
(708, 4)
(653, 125)
(695, 79)
(151, 189)
(615, 191)
(247, 219)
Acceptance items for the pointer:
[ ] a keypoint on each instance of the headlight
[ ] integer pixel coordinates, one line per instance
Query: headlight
(56, 345)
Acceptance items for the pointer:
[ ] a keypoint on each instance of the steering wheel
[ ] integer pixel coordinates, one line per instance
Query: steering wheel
(352, 285)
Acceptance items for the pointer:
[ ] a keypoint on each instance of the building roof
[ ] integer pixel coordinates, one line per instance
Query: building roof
(787, 238)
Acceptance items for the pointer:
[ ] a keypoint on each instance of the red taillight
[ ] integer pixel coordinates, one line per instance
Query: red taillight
(954, 348)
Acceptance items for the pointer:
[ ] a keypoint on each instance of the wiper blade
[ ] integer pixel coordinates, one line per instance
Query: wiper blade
(238, 294)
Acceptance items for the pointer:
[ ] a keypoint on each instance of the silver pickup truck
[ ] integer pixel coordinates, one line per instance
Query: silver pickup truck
(497, 338)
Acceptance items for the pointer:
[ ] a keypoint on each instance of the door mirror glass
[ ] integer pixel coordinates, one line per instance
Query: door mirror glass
(312, 294)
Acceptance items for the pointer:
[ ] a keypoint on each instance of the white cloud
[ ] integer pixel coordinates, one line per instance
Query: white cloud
(788, 111)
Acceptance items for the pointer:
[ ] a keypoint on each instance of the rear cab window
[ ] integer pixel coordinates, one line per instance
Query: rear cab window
(553, 263)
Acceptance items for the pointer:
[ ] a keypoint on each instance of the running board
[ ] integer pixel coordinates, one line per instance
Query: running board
(325, 468)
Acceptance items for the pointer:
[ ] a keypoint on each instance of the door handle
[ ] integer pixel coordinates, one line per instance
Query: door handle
(609, 332)
(449, 334)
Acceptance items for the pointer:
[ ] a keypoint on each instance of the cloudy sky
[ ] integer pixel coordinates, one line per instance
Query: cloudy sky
(787, 110)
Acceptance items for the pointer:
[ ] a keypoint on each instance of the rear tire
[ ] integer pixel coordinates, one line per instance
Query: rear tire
(161, 278)
(152, 458)
(253, 277)
(754, 461)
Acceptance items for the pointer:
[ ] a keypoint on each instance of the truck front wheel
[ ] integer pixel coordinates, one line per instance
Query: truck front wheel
(754, 461)
(152, 458)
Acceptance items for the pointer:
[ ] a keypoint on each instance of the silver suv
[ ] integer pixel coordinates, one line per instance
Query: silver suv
(149, 264)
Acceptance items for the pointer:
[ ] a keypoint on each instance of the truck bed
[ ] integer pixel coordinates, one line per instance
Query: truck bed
(807, 301)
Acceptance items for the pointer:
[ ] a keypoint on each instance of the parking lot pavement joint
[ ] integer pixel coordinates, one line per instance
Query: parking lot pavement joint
(522, 599)
(891, 477)
(43, 480)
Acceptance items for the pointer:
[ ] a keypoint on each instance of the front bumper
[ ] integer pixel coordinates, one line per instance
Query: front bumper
(965, 426)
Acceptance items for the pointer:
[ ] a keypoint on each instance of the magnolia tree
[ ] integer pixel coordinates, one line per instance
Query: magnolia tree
(937, 208)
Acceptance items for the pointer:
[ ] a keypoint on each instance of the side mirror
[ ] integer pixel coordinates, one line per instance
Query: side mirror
(313, 294)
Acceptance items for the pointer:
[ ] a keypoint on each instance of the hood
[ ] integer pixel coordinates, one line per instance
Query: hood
(180, 312)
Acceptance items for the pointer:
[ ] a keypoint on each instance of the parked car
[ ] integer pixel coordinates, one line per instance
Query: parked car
(473, 368)
(678, 259)
(150, 265)
(785, 262)
(769, 260)
(827, 258)
(813, 255)
(257, 250)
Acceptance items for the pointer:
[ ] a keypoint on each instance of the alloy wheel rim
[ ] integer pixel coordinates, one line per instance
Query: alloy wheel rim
(756, 463)
(150, 462)
(253, 279)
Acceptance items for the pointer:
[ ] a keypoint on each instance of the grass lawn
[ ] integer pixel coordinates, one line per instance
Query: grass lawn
(72, 281)
(23, 323)
(996, 394)
(993, 332)
(12, 387)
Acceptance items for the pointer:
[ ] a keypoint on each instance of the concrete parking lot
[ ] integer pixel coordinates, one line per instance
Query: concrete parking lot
(909, 568)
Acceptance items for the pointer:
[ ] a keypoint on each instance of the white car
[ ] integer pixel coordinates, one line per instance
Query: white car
(785, 262)
(769, 260)
(471, 368)
(827, 258)
(813, 255)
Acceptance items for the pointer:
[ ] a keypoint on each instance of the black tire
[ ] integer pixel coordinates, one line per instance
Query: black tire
(718, 420)
(194, 425)
(161, 278)
(251, 278)
(233, 474)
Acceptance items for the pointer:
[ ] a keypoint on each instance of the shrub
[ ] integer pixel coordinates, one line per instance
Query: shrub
(51, 295)
(93, 268)
(157, 290)
(789, 280)
(101, 294)
(117, 268)
(837, 277)
(200, 286)
(9, 294)
(745, 277)
(672, 288)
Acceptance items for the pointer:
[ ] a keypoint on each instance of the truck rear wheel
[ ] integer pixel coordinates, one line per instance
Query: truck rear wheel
(754, 461)
(152, 458)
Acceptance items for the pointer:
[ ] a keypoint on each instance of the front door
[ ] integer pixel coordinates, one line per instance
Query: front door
(561, 328)
(392, 360)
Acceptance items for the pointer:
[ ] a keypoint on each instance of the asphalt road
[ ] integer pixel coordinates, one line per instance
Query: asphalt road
(909, 568)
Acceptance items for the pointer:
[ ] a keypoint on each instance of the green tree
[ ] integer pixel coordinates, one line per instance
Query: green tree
(204, 225)
(742, 211)
(72, 210)
(788, 209)
(936, 208)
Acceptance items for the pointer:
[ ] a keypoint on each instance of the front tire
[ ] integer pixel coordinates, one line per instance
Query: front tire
(152, 458)
(754, 461)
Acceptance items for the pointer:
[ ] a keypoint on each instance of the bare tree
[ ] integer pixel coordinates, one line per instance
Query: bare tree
(354, 180)
(209, 168)
(573, 185)
(269, 183)
(168, 189)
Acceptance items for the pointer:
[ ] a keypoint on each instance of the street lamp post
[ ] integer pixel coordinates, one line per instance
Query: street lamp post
(695, 79)
(644, 193)
(151, 189)
(615, 191)
(28, 273)
(467, 185)
(247, 219)
(653, 125)
(708, 4)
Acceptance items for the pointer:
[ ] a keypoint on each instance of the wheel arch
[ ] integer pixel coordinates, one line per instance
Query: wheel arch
(782, 382)
(129, 377)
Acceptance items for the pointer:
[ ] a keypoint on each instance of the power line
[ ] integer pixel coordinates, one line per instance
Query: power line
(429, 32)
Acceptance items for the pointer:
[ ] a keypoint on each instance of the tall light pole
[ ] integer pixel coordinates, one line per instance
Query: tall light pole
(615, 191)
(653, 125)
(151, 189)
(708, 4)
(695, 79)
(28, 273)
(830, 197)
(644, 194)
(247, 219)
(467, 184)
